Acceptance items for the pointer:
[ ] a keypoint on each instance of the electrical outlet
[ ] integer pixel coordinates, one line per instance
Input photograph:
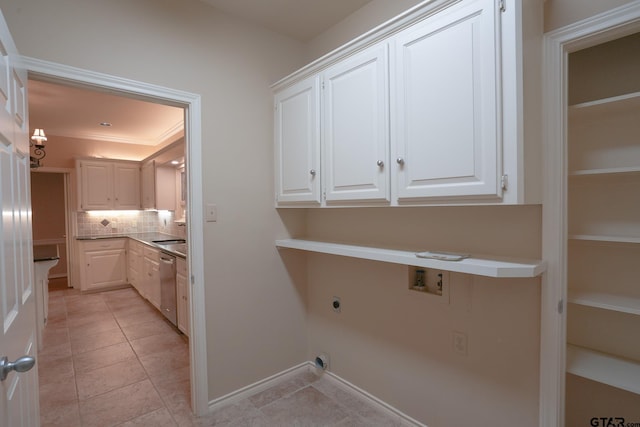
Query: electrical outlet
(460, 343)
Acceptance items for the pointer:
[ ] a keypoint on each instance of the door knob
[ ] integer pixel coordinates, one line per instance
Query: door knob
(22, 364)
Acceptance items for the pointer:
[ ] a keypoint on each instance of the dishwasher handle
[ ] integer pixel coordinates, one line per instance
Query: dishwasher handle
(170, 261)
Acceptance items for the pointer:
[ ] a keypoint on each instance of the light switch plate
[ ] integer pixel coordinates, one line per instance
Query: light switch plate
(211, 212)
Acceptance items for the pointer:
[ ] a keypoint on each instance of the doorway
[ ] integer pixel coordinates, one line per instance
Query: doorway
(50, 220)
(193, 141)
(558, 227)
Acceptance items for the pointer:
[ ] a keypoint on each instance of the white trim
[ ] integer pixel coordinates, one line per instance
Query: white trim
(195, 232)
(257, 387)
(557, 45)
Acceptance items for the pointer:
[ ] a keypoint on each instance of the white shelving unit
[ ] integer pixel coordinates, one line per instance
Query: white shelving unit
(604, 227)
(606, 301)
(477, 265)
(604, 368)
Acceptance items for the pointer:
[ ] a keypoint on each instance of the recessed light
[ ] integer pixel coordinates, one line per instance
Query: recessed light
(105, 124)
(175, 162)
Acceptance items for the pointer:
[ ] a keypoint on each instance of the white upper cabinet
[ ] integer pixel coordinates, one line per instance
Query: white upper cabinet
(108, 185)
(427, 109)
(355, 127)
(444, 115)
(297, 147)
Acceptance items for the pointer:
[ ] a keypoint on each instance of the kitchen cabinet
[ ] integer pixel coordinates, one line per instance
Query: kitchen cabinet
(182, 292)
(107, 184)
(103, 264)
(427, 109)
(445, 114)
(297, 143)
(158, 186)
(135, 257)
(355, 95)
(151, 269)
(603, 247)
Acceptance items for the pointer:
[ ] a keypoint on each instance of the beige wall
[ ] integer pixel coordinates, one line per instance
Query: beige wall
(359, 22)
(255, 315)
(559, 13)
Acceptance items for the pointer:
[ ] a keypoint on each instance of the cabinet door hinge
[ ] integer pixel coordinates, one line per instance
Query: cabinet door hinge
(324, 196)
(193, 279)
(504, 182)
(502, 5)
(560, 306)
(322, 85)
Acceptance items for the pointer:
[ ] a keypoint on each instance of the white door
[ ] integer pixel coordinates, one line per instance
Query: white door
(297, 150)
(356, 127)
(445, 120)
(19, 388)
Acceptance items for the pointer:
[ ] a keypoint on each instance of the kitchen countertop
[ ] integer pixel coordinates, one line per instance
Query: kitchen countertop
(146, 238)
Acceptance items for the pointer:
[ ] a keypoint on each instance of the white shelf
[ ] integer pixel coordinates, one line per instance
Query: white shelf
(478, 265)
(605, 171)
(604, 368)
(605, 105)
(604, 238)
(621, 303)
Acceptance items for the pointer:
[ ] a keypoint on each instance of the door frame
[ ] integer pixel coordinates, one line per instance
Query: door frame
(191, 102)
(598, 29)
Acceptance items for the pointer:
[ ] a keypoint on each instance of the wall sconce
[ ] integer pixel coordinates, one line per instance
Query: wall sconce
(37, 141)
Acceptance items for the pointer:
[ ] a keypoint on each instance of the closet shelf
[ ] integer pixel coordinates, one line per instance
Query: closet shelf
(605, 171)
(621, 303)
(478, 265)
(604, 368)
(606, 105)
(604, 238)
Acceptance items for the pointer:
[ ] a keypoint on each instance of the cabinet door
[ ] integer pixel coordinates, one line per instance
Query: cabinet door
(96, 183)
(152, 281)
(134, 259)
(183, 304)
(445, 115)
(149, 185)
(356, 127)
(297, 140)
(126, 186)
(105, 269)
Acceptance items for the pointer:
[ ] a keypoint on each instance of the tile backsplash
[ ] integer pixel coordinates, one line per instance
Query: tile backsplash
(101, 223)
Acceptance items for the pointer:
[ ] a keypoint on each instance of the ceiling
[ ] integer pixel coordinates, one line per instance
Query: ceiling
(74, 112)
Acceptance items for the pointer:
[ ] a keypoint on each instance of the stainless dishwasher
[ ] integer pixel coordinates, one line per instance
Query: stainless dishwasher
(168, 287)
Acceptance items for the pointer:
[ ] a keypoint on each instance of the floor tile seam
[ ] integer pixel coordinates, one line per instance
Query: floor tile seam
(103, 366)
(162, 398)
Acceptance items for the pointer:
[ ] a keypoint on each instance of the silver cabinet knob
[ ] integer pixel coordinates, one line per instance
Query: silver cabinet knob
(23, 364)
(380, 163)
(400, 161)
(312, 172)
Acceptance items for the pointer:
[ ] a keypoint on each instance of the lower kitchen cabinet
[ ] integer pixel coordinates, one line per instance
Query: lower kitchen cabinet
(135, 256)
(182, 295)
(151, 278)
(103, 264)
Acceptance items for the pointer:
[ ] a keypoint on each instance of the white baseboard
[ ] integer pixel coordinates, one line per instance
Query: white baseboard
(273, 380)
(256, 387)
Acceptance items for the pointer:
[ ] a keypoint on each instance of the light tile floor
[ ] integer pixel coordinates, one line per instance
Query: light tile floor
(111, 359)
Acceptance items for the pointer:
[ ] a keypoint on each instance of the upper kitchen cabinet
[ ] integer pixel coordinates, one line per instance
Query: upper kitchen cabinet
(161, 179)
(427, 109)
(355, 97)
(297, 143)
(109, 184)
(445, 114)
